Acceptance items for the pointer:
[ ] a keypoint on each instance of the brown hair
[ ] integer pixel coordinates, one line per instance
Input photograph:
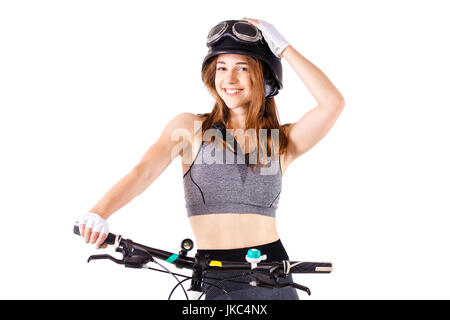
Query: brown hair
(262, 112)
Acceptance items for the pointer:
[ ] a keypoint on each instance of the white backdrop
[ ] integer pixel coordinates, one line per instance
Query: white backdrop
(87, 86)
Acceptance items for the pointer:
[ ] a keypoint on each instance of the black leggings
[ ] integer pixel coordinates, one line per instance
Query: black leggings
(241, 291)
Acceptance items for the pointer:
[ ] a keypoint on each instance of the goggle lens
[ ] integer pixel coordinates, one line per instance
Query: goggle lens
(246, 29)
(217, 31)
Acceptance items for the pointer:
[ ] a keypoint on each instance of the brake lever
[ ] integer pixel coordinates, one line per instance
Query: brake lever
(105, 256)
(294, 285)
(131, 257)
(271, 281)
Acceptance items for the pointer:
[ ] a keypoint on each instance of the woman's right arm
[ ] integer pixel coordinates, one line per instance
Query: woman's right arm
(152, 164)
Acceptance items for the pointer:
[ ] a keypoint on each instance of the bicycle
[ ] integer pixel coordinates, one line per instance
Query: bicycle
(262, 274)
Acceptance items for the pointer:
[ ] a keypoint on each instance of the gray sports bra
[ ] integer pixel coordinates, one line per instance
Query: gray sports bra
(219, 181)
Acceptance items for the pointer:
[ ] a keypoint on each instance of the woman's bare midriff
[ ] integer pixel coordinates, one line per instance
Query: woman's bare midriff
(233, 230)
(230, 230)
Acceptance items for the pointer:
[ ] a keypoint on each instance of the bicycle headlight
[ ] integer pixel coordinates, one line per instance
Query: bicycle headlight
(187, 244)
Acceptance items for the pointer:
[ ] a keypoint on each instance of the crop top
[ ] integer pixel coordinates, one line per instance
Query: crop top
(223, 183)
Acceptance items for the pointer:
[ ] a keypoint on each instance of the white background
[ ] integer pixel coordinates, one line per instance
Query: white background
(87, 86)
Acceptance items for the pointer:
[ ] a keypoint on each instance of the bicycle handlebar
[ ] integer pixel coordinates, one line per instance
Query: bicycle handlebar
(188, 262)
(136, 255)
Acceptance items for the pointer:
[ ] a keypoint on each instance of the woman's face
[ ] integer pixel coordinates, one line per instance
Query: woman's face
(233, 82)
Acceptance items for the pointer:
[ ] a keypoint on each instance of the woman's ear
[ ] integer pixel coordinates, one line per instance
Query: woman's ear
(270, 89)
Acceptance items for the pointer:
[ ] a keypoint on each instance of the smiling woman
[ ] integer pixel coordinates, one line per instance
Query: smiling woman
(224, 200)
(230, 207)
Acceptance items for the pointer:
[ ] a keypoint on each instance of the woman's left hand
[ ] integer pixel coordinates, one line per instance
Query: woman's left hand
(277, 43)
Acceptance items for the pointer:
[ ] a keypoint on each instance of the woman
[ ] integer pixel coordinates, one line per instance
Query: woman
(232, 183)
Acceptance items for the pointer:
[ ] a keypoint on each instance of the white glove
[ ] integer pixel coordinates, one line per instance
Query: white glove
(277, 43)
(95, 222)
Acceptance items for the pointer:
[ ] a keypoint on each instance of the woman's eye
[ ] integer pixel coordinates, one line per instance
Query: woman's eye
(242, 68)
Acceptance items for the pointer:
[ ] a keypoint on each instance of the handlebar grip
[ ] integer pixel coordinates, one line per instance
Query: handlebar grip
(110, 239)
(312, 267)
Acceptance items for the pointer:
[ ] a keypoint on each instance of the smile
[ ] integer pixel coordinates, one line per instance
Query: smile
(232, 92)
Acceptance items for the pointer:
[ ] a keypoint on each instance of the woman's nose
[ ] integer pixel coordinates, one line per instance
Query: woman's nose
(231, 76)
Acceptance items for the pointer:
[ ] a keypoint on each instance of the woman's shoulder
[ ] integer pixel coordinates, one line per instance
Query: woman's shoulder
(186, 116)
(188, 122)
(286, 126)
(185, 119)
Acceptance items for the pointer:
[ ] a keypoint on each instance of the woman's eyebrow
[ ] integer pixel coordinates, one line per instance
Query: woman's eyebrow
(222, 62)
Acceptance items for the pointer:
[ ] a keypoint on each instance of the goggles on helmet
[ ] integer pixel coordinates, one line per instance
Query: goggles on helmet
(240, 31)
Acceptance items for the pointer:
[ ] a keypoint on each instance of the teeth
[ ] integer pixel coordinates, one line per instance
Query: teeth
(231, 91)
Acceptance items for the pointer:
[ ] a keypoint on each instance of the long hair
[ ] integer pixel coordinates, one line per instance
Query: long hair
(262, 112)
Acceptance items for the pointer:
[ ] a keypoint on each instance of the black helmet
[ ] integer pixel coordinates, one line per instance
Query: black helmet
(241, 37)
